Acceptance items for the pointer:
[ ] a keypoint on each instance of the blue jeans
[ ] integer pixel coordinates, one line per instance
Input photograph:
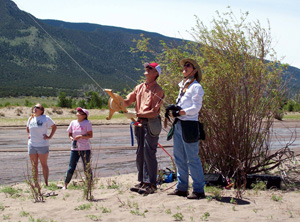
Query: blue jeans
(74, 157)
(146, 161)
(187, 158)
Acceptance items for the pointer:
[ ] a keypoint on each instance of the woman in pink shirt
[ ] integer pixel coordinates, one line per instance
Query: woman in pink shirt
(80, 132)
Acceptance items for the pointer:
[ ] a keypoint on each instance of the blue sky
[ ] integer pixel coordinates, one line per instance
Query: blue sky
(174, 18)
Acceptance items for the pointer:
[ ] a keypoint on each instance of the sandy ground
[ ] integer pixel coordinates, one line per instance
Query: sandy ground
(113, 200)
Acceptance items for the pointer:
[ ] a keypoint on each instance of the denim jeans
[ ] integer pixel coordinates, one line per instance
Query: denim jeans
(74, 157)
(187, 158)
(146, 161)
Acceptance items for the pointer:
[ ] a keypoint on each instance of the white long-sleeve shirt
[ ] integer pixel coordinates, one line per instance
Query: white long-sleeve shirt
(191, 101)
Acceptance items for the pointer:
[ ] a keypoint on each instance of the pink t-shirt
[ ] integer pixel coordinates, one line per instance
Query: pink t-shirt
(80, 128)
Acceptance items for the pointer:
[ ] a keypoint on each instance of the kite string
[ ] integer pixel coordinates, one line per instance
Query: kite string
(62, 48)
(67, 54)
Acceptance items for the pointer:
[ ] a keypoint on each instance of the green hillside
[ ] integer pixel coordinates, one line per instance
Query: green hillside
(33, 64)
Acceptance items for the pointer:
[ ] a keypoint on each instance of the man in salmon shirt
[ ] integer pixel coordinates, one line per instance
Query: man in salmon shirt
(148, 97)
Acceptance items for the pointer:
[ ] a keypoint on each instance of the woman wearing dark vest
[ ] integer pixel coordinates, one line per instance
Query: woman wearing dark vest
(186, 132)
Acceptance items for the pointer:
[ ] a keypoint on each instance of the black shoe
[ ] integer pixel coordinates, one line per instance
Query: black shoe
(196, 196)
(179, 193)
(147, 189)
(136, 187)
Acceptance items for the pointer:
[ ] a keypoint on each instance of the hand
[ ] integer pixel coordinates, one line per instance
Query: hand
(175, 111)
(130, 115)
(78, 137)
(46, 137)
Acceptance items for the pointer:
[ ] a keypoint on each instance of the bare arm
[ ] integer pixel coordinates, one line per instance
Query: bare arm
(71, 136)
(131, 97)
(27, 129)
(88, 135)
(52, 132)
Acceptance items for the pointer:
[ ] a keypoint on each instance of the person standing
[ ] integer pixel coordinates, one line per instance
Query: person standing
(186, 132)
(80, 132)
(38, 141)
(148, 97)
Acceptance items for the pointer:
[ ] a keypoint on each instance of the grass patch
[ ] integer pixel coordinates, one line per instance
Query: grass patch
(29, 100)
(75, 186)
(112, 184)
(168, 211)
(2, 208)
(52, 187)
(24, 214)
(261, 185)
(66, 196)
(84, 207)
(6, 216)
(276, 198)
(178, 216)
(138, 213)
(94, 217)
(11, 191)
(205, 216)
(105, 210)
(293, 116)
(215, 191)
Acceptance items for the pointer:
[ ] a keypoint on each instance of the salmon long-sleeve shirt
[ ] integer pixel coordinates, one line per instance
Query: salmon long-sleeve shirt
(148, 98)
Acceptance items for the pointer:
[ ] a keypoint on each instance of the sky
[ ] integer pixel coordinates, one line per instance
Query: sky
(176, 18)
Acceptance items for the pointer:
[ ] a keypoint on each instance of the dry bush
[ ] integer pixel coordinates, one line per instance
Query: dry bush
(34, 186)
(73, 111)
(49, 112)
(243, 94)
(58, 111)
(18, 111)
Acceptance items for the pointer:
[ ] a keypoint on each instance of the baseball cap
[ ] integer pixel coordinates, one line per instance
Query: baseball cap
(83, 110)
(153, 65)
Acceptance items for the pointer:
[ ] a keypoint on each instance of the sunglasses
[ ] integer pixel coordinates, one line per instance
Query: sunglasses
(188, 65)
(37, 107)
(149, 67)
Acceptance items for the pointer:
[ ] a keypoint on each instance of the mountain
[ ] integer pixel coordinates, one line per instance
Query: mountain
(32, 63)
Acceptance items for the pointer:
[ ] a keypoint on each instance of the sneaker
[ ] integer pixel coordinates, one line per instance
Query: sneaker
(196, 196)
(136, 187)
(147, 189)
(179, 193)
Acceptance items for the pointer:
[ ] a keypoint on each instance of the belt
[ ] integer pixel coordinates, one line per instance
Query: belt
(142, 120)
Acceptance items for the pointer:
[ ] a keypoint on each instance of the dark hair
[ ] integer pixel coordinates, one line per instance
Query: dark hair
(196, 75)
(43, 110)
(84, 114)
